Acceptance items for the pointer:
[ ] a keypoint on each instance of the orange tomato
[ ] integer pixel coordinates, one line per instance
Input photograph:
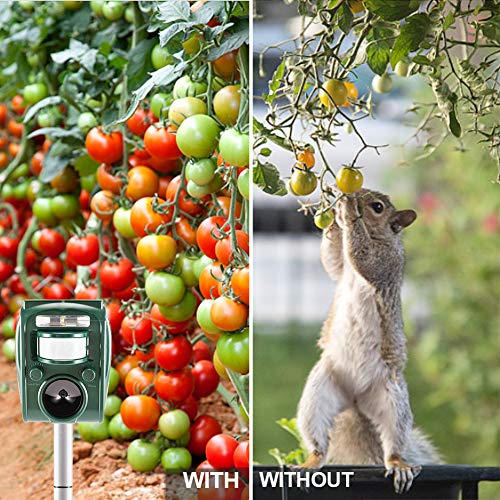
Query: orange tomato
(306, 157)
(185, 231)
(240, 283)
(103, 205)
(228, 315)
(14, 128)
(209, 283)
(142, 181)
(138, 380)
(144, 218)
(107, 181)
(352, 93)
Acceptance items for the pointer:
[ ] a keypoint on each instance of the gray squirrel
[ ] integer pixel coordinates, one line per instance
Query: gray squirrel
(355, 406)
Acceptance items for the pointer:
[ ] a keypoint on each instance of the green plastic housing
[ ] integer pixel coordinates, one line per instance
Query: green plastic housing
(89, 372)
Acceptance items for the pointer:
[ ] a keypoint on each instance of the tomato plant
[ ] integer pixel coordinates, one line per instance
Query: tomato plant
(109, 136)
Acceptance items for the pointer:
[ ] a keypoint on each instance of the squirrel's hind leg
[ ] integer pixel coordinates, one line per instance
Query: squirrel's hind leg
(321, 401)
(387, 406)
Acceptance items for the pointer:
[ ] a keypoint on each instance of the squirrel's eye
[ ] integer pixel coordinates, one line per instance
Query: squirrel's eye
(377, 207)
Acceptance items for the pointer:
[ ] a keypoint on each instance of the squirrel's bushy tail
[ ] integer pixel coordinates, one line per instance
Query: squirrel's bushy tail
(354, 441)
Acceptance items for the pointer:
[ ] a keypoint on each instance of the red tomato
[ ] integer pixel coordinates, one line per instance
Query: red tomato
(140, 413)
(117, 276)
(223, 248)
(137, 330)
(190, 406)
(206, 378)
(202, 429)
(87, 293)
(162, 143)
(8, 247)
(241, 457)
(208, 234)
(138, 380)
(51, 243)
(184, 201)
(174, 386)
(209, 282)
(83, 250)
(139, 122)
(102, 147)
(173, 354)
(220, 450)
(52, 267)
(56, 291)
(201, 351)
(115, 316)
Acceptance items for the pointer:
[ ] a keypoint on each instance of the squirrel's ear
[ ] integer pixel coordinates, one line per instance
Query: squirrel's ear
(402, 219)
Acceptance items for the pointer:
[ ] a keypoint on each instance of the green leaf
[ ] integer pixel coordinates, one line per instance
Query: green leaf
(392, 10)
(76, 51)
(275, 82)
(33, 110)
(170, 12)
(448, 21)
(454, 124)
(139, 63)
(168, 33)
(56, 159)
(207, 11)
(345, 17)
(291, 427)
(55, 132)
(410, 38)
(85, 165)
(265, 152)
(378, 54)
(163, 76)
(233, 40)
(422, 60)
(267, 177)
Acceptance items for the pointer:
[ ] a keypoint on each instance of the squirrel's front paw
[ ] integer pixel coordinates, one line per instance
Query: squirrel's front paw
(314, 461)
(347, 210)
(403, 473)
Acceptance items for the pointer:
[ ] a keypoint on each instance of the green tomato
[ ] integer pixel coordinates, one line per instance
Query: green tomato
(201, 171)
(113, 10)
(27, 5)
(160, 103)
(114, 380)
(8, 328)
(303, 182)
(143, 456)
(192, 44)
(183, 440)
(49, 117)
(119, 431)
(160, 57)
(215, 184)
(72, 4)
(96, 6)
(185, 87)
(35, 240)
(87, 121)
(181, 311)
(94, 431)
(121, 221)
(204, 319)
(244, 184)
(197, 191)
(129, 14)
(9, 349)
(200, 264)
(20, 191)
(35, 92)
(197, 136)
(175, 460)
(174, 424)
(184, 107)
(382, 84)
(42, 209)
(324, 219)
(235, 147)
(7, 192)
(37, 59)
(165, 289)
(184, 267)
(21, 171)
(88, 182)
(65, 206)
(402, 68)
(112, 406)
(233, 351)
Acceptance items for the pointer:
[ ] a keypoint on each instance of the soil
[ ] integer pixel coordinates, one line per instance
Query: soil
(100, 470)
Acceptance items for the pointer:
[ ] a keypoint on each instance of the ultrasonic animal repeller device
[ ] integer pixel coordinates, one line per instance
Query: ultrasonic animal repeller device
(63, 357)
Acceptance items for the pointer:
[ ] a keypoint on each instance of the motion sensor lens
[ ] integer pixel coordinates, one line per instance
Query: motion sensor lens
(62, 398)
